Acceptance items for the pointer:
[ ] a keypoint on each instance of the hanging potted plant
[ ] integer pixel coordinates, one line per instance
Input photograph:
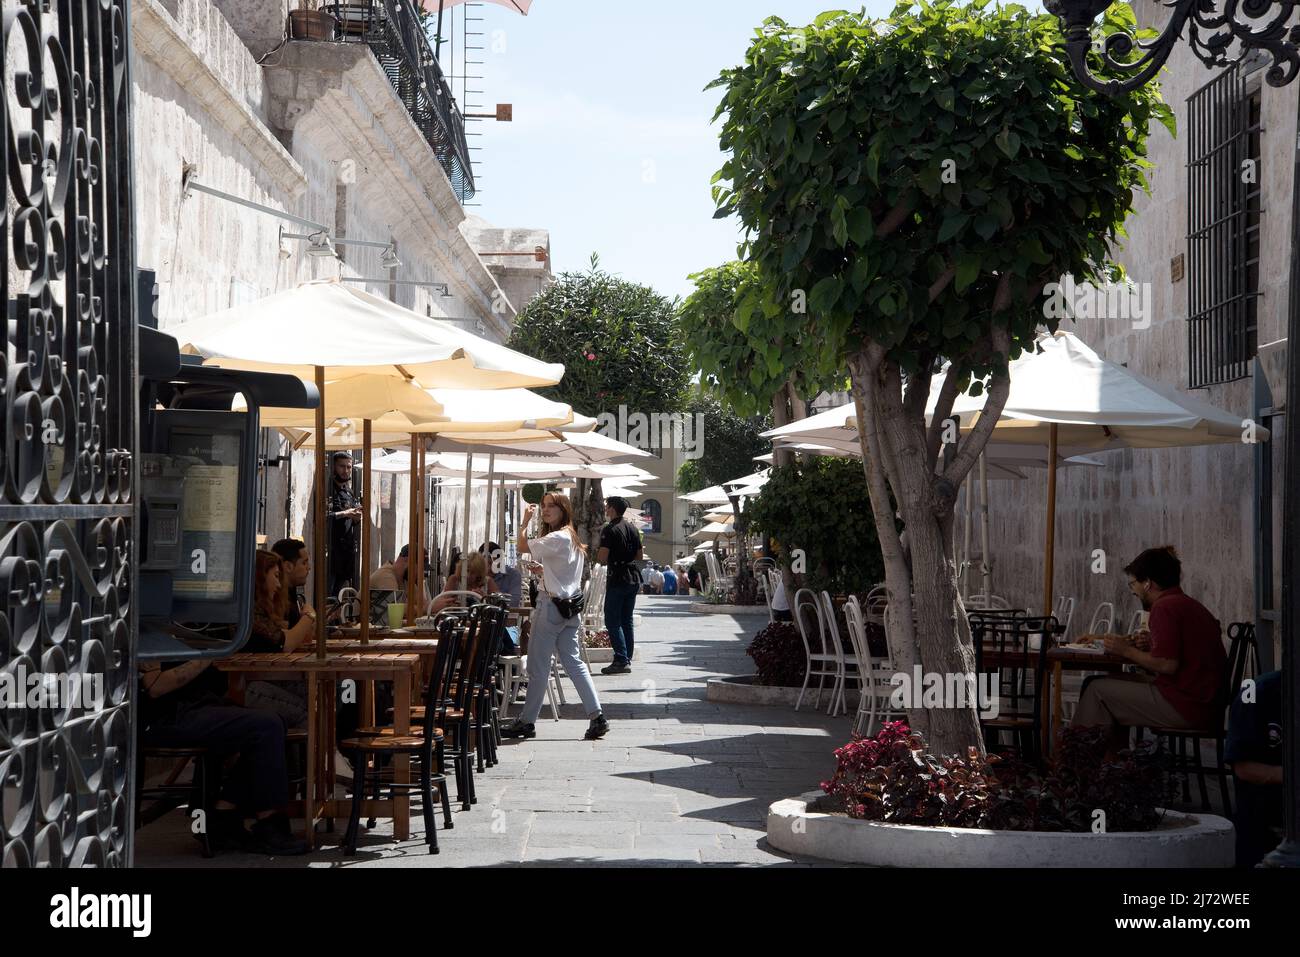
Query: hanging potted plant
(310, 23)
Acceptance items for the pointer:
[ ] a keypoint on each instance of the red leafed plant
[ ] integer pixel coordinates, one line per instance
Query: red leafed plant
(892, 778)
(778, 655)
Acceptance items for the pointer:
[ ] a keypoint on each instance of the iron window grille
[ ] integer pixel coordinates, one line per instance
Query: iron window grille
(1223, 216)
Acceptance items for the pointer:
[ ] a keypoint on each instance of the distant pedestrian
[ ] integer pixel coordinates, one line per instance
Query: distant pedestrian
(620, 548)
(561, 558)
(344, 513)
(656, 581)
(670, 580)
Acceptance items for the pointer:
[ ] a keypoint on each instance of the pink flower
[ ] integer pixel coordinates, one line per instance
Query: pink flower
(591, 357)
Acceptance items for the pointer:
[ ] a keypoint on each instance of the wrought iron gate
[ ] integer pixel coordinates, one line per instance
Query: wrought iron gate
(67, 432)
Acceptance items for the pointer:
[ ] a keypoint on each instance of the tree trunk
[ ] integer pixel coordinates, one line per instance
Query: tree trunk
(589, 516)
(895, 457)
(787, 407)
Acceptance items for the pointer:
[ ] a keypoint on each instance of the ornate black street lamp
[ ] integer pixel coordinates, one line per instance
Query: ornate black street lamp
(1221, 38)
(1220, 32)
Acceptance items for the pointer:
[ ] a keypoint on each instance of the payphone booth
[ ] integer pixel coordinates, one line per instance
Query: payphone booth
(198, 499)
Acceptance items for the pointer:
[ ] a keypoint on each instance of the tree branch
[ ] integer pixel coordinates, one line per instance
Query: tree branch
(942, 411)
(998, 390)
(895, 217)
(939, 285)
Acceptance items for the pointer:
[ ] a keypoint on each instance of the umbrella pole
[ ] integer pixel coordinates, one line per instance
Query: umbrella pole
(366, 456)
(464, 548)
(1049, 551)
(986, 567)
(322, 489)
(501, 514)
(965, 550)
(491, 488)
(417, 606)
(413, 560)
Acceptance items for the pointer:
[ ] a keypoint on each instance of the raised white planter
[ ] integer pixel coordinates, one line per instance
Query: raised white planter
(604, 656)
(743, 690)
(1183, 840)
(704, 608)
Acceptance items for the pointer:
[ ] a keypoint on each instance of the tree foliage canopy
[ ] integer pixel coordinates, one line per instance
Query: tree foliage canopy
(730, 442)
(617, 340)
(734, 333)
(918, 176)
(821, 506)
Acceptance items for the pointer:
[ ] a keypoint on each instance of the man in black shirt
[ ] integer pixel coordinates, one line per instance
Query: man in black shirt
(1254, 752)
(344, 513)
(620, 546)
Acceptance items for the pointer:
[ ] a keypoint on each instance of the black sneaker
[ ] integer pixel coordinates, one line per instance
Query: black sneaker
(272, 836)
(617, 668)
(226, 832)
(517, 729)
(598, 728)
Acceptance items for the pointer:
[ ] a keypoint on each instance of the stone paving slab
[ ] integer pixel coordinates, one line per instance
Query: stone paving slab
(679, 780)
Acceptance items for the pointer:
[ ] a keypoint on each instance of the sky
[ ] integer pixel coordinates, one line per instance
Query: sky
(612, 148)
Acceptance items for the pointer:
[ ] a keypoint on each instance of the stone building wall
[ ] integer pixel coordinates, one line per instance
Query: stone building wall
(1197, 499)
(313, 129)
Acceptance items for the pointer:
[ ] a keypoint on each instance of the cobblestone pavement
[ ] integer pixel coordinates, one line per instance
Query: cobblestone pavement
(679, 780)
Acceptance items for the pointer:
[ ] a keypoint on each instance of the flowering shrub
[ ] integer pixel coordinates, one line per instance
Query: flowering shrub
(596, 639)
(892, 778)
(778, 654)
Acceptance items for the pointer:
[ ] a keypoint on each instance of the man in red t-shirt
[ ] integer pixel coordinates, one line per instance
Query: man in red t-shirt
(1183, 651)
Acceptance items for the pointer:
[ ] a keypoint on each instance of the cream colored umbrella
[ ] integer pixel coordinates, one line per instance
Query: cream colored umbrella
(349, 332)
(326, 331)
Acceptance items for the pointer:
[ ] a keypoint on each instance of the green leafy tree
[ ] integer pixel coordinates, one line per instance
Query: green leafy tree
(617, 340)
(730, 443)
(820, 507)
(919, 181)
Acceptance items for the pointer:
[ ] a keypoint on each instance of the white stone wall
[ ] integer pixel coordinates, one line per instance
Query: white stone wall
(202, 99)
(1197, 499)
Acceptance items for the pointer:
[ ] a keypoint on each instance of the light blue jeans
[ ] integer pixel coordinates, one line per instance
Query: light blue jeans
(553, 635)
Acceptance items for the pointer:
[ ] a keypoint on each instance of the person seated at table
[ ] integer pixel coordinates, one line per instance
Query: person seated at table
(509, 580)
(184, 705)
(1184, 652)
(272, 634)
(480, 582)
(293, 577)
(392, 579)
(1254, 752)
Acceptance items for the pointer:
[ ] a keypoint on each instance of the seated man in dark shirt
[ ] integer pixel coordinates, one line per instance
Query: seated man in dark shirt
(184, 706)
(1185, 655)
(1254, 751)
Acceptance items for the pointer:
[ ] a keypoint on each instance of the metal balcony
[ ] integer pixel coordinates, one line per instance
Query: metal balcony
(395, 34)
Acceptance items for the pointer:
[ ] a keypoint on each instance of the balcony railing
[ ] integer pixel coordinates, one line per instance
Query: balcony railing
(394, 32)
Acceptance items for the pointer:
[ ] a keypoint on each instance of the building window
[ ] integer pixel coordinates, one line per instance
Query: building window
(653, 512)
(1223, 218)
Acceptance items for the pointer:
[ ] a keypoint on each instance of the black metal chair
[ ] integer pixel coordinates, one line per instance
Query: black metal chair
(168, 796)
(427, 749)
(1185, 745)
(1006, 640)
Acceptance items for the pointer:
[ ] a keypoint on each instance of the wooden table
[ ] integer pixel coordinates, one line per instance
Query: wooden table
(401, 669)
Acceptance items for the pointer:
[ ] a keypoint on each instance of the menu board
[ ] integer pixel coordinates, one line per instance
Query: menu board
(209, 514)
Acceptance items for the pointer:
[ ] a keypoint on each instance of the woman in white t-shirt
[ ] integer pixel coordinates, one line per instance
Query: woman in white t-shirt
(561, 558)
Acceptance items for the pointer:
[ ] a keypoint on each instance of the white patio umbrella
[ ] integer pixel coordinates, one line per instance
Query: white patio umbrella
(566, 445)
(713, 531)
(1066, 395)
(714, 495)
(327, 331)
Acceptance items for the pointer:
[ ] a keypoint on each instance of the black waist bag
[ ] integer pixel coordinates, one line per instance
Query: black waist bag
(570, 606)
